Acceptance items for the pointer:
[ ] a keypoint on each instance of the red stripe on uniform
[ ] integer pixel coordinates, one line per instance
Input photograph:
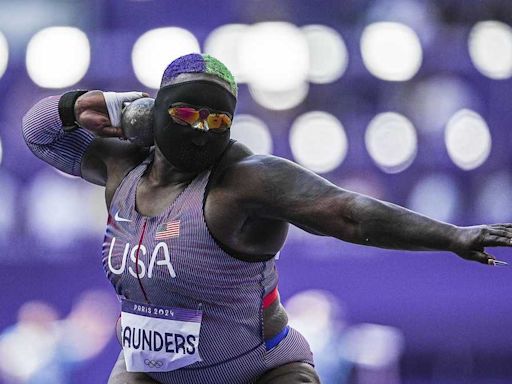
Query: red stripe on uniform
(270, 298)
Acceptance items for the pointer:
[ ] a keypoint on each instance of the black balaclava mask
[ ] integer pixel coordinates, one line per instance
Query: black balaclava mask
(187, 148)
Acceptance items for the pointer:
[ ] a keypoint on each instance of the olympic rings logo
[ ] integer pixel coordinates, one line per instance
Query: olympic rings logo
(153, 363)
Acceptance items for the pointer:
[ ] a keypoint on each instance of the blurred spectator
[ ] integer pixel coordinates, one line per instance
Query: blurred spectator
(357, 354)
(375, 350)
(321, 319)
(43, 349)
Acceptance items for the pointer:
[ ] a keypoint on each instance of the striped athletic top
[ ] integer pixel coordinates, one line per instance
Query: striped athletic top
(180, 265)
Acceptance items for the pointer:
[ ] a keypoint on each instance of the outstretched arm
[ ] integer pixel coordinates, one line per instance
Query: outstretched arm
(282, 190)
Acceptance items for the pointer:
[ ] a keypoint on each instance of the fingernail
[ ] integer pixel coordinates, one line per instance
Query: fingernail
(498, 262)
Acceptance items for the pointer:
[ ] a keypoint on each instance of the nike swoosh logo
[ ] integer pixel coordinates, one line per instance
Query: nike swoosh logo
(118, 218)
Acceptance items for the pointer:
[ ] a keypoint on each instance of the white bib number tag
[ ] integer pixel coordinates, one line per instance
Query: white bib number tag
(157, 338)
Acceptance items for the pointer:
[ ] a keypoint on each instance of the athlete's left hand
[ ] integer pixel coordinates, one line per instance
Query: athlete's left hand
(471, 241)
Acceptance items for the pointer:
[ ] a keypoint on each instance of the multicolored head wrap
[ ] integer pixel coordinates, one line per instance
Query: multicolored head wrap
(199, 63)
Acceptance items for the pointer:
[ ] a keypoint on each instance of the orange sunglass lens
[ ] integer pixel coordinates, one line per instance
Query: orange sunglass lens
(227, 120)
(216, 121)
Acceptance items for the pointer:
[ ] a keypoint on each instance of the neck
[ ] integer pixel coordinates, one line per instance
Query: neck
(163, 173)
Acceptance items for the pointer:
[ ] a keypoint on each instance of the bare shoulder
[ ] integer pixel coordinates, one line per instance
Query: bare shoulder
(232, 175)
(237, 164)
(254, 173)
(268, 189)
(274, 187)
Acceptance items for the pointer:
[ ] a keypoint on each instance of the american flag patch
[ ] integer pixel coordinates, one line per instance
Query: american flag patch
(168, 230)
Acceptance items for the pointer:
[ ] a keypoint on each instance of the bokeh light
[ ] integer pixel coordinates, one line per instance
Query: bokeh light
(274, 56)
(391, 141)
(328, 56)
(253, 132)
(317, 315)
(391, 51)
(318, 141)
(490, 48)
(435, 195)
(4, 54)
(374, 345)
(223, 43)
(280, 100)
(493, 198)
(468, 139)
(58, 57)
(155, 49)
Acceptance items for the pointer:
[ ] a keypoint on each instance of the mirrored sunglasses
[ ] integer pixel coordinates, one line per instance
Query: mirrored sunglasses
(201, 118)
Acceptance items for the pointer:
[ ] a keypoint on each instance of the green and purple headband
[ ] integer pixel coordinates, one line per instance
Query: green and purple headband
(199, 63)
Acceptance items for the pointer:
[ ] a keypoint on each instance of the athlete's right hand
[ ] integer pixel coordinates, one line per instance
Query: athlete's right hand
(100, 112)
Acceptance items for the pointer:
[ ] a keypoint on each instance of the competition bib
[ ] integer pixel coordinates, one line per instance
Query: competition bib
(157, 338)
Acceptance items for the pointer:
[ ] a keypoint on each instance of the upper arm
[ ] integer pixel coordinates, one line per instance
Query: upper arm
(279, 189)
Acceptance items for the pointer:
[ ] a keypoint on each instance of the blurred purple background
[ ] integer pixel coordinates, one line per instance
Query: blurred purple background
(443, 151)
